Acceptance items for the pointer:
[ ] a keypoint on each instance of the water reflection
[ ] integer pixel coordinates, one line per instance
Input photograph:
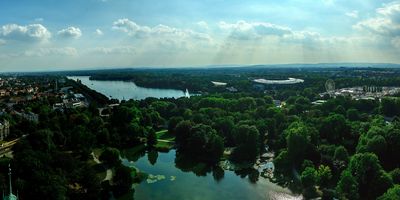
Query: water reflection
(218, 173)
(152, 157)
(251, 173)
(176, 177)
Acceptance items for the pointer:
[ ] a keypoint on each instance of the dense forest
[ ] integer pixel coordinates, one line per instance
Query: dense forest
(343, 148)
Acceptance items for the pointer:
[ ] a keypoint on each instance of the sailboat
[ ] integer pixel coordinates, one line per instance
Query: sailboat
(187, 95)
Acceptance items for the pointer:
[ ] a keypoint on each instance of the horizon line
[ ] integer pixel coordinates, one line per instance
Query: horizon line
(59, 69)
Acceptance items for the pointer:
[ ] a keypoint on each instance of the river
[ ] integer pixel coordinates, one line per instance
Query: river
(174, 180)
(127, 90)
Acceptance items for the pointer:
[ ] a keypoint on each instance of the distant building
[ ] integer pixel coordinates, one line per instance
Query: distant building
(3, 93)
(277, 103)
(65, 89)
(30, 116)
(319, 102)
(4, 129)
(62, 80)
(232, 89)
(216, 83)
(79, 96)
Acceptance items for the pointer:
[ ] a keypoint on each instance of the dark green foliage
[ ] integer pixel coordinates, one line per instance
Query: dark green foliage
(372, 180)
(392, 194)
(340, 158)
(110, 156)
(122, 180)
(172, 123)
(299, 142)
(395, 174)
(151, 138)
(390, 107)
(200, 141)
(335, 128)
(246, 138)
(152, 157)
(347, 187)
(352, 114)
(182, 132)
(324, 175)
(309, 177)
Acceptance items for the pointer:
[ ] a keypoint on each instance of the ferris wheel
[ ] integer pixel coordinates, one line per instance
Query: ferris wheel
(330, 87)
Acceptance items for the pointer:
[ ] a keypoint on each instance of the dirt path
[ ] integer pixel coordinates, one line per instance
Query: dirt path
(109, 172)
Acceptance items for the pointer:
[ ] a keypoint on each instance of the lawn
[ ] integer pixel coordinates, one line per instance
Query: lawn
(165, 141)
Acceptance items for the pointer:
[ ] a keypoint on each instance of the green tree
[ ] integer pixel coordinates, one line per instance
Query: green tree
(352, 114)
(247, 142)
(110, 156)
(347, 187)
(324, 175)
(373, 180)
(172, 123)
(392, 194)
(335, 129)
(225, 126)
(298, 140)
(183, 132)
(151, 138)
(122, 180)
(390, 106)
(341, 157)
(395, 174)
(309, 177)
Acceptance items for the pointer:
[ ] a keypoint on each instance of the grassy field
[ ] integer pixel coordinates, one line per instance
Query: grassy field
(165, 141)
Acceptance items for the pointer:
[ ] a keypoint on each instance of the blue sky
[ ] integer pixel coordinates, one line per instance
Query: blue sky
(80, 34)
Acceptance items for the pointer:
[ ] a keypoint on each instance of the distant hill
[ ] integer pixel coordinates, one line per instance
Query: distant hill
(214, 68)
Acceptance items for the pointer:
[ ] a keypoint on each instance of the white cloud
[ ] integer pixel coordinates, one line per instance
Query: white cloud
(164, 37)
(113, 50)
(39, 19)
(133, 29)
(32, 32)
(385, 23)
(203, 25)
(396, 42)
(130, 27)
(253, 30)
(70, 32)
(303, 37)
(99, 32)
(352, 14)
(64, 51)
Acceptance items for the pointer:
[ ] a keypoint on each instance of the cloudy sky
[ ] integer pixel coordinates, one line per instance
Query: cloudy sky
(81, 34)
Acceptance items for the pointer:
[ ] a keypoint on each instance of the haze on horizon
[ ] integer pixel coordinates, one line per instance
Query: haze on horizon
(76, 34)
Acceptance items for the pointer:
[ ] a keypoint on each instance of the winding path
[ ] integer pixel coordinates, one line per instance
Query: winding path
(109, 172)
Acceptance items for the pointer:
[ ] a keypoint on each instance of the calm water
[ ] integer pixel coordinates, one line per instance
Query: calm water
(127, 90)
(172, 183)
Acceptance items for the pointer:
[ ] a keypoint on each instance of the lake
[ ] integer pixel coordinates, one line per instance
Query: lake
(179, 179)
(127, 90)
(170, 180)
